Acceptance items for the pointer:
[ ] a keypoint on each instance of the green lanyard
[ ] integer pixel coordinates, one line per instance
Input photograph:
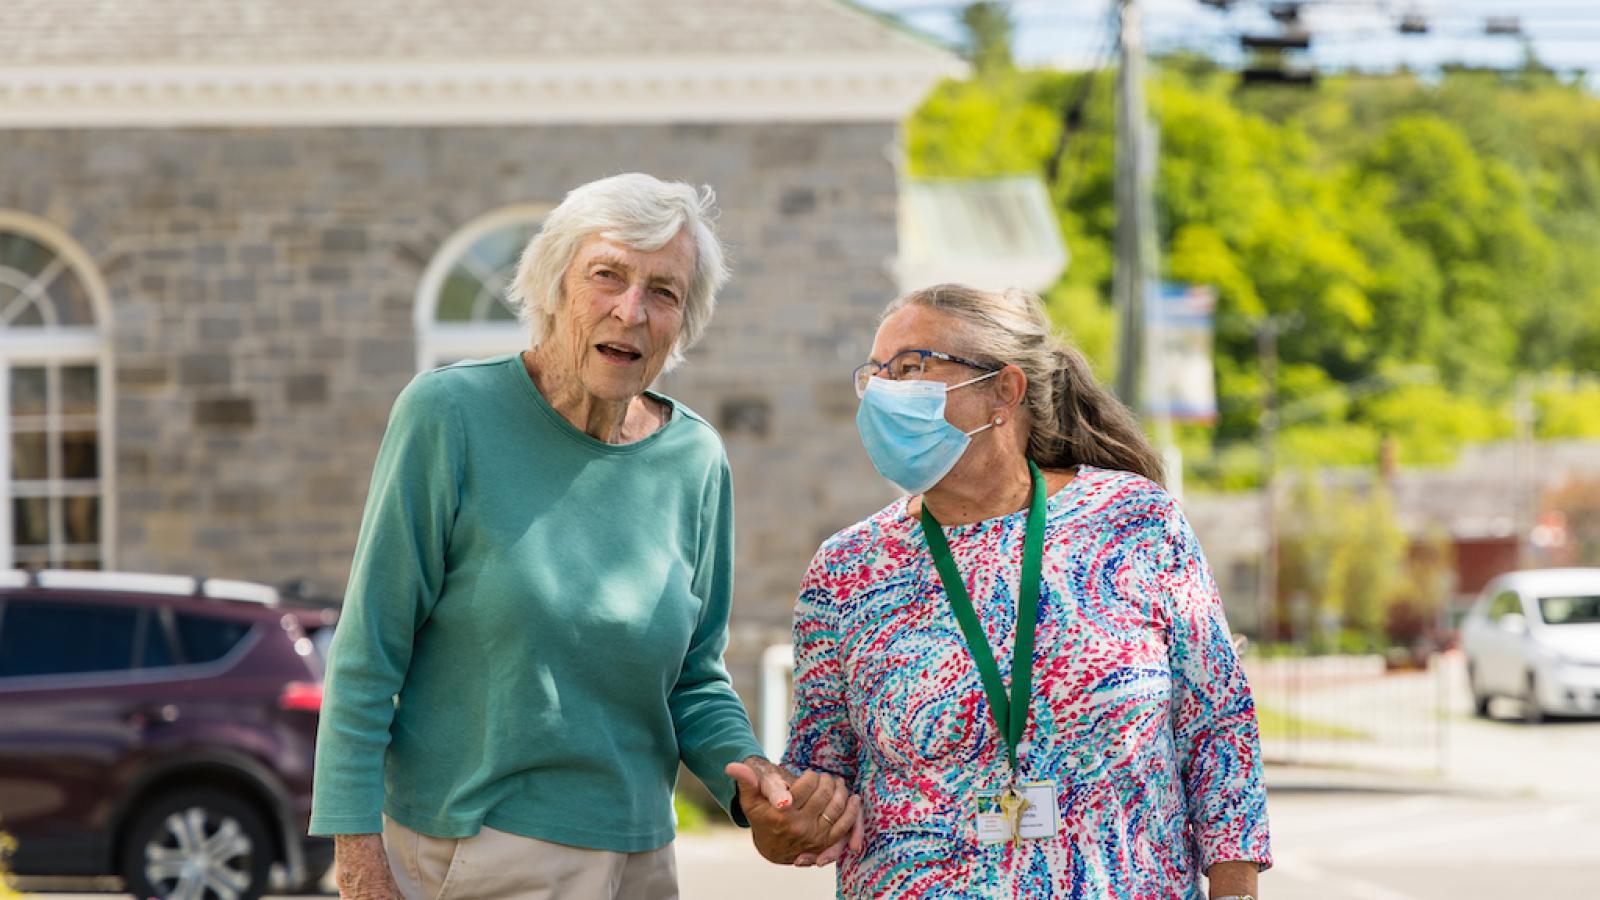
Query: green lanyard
(1010, 715)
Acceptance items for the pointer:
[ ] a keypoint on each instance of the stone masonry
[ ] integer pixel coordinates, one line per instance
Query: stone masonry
(263, 282)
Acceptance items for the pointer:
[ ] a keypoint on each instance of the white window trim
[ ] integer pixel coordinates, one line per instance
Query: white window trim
(63, 346)
(436, 340)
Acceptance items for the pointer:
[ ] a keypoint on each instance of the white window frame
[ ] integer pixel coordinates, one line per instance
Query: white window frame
(56, 345)
(458, 340)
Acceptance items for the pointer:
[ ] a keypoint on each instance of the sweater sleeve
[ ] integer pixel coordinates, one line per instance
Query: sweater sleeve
(1214, 717)
(820, 736)
(710, 721)
(395, 579)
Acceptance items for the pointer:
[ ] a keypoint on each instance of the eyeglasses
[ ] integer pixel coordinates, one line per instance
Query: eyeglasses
(910, 365)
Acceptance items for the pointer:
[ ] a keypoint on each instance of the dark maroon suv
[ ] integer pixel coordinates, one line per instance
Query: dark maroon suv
(159, 729)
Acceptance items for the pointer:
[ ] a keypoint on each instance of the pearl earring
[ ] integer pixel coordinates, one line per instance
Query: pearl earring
(999, 421)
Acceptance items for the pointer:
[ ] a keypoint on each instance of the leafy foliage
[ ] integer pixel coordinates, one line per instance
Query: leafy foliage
(691, 816)
(1349, 578)
(1421, 245)
(989, 28)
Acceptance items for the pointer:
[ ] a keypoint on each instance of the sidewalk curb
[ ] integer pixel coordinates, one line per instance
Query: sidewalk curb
(1303, 780)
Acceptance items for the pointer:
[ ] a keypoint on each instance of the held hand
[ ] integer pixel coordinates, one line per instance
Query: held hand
(773, 781)
(809, 821)
(854, 841)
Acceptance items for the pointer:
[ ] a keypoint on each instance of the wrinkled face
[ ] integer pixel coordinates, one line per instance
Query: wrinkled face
(621, 313)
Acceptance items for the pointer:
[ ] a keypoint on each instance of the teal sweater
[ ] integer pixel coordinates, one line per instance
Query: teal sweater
(533, 632)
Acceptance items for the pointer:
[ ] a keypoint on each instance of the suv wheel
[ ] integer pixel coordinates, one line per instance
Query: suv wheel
(197, 845)
(1480, 700)
(1532, 709)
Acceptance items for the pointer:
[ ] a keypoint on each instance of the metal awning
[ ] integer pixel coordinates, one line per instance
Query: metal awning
(988, 233)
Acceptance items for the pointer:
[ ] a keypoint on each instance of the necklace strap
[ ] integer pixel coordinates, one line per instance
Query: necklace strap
(1010, 713)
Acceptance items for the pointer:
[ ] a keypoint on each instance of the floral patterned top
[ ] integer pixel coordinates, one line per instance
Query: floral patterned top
(1140, 713)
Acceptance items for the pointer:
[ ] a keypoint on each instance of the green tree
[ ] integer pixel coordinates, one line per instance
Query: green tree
(1344, 567)
(988, 28)
(1388, 225)
(1570, 413)
(1368, 563)
(980, 128)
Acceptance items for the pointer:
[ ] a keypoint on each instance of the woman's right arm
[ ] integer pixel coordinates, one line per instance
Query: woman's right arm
(1215, 732)
(395, 579)
(363, 868)
(820, 736)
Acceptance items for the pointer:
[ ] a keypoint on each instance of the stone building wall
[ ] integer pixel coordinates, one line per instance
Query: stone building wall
(262, 287)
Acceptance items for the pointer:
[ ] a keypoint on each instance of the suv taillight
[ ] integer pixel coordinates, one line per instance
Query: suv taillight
(305, 696)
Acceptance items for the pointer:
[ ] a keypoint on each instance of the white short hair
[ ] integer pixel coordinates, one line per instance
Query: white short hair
(640, 211)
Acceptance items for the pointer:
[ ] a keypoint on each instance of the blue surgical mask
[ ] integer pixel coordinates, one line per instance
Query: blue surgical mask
(903, 427)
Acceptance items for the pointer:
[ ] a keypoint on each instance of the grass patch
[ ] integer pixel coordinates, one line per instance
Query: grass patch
(691, 817)
(1278, 725)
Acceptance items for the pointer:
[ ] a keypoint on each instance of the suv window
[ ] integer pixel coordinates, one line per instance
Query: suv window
(1579, 610)
(39, 638)
(157, 649)
(1504, 603)
(204, 638)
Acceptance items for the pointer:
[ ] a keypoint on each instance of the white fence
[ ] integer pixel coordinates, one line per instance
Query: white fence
(1350, 711)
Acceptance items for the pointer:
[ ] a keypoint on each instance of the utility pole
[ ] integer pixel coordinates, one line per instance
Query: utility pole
(1137, 266)
(1135, 235)
(1523, 477)
(1267, 346)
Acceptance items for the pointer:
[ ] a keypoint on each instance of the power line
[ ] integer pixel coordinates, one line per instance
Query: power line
(1358, 35)
(1073, 110)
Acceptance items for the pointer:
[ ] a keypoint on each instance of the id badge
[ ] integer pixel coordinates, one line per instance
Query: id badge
(990, 818)
(1040, 818)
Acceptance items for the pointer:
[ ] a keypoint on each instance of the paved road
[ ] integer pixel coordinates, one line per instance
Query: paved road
(1433, 847)
(1330, 846)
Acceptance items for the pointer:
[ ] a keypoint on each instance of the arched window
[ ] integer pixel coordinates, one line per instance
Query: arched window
(461, 309)
(54, 401)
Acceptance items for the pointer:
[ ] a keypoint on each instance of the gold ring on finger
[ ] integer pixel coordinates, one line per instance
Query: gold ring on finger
(831, 820)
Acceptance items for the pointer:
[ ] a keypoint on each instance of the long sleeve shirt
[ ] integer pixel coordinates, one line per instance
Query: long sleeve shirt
(533, 632)
(1140, 713)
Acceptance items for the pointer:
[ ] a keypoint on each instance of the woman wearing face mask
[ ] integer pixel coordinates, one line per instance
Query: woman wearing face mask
(1022, 667)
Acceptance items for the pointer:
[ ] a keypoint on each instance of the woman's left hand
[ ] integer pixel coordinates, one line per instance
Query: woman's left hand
(808, 820)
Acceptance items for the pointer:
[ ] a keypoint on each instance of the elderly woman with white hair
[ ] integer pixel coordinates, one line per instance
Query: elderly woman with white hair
(533, 632)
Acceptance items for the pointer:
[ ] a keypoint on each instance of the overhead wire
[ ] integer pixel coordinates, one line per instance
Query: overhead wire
(1571, 28)
(1463, 27)
(1073, 110)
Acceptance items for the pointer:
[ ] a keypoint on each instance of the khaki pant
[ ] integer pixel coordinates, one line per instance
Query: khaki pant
(494, 865)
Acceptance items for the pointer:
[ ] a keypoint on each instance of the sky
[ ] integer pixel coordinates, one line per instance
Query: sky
(1358, 34)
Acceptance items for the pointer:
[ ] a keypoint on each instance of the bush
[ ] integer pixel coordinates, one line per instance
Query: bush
(690, 816)
(1349, 578)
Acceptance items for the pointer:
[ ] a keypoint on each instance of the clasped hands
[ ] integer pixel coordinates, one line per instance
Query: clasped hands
(805, 820)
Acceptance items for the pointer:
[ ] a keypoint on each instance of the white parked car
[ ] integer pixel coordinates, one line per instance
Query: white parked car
(1534, 636)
